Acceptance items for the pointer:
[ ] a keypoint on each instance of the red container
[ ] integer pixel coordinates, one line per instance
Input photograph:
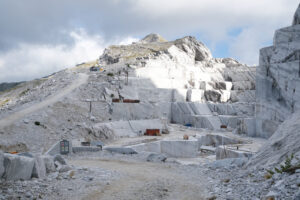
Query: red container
(131, 101)
(152, 132)
(223, 126)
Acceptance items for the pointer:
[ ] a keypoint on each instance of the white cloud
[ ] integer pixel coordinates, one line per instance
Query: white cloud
(211, 21)
(245, 46)
(214, 19)
(34, 61)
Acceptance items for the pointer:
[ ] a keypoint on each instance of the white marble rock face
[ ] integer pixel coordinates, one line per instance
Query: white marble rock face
(180, 148)
(278, 80)
(177, 79)
(17, 167)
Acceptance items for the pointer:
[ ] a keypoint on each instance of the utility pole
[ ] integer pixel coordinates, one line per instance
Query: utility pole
(90, 101)
(90, 107)
(126, 73)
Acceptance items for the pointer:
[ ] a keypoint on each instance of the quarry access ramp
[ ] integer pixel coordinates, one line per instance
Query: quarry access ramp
(8, 120)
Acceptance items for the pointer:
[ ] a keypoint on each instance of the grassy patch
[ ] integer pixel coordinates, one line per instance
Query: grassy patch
(287, 167)
(268, 175)
(5, 101)
(38, 82)
(24, 92)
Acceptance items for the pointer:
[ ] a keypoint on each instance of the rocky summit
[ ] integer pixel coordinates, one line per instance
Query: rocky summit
(157, 119)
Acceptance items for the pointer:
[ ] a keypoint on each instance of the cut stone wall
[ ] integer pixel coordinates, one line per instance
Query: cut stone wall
(278, 81)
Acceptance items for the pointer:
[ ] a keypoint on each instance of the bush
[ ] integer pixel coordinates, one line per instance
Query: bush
(286, 167)
(37, 123)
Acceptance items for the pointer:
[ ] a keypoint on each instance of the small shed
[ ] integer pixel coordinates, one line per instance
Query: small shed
(152, 132)
(94, 69)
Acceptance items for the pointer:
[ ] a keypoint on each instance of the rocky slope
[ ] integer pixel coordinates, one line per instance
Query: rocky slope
(283, 143)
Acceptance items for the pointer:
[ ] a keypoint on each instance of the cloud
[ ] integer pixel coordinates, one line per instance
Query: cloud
(47, 26)
(29, 61)
(213, 22)
(245, 46)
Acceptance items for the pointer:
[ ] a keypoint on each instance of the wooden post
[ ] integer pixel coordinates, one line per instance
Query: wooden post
(126, 77)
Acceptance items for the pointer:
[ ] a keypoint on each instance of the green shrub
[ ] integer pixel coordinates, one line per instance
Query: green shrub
(24, 92)
(37, 123)
(286, 167)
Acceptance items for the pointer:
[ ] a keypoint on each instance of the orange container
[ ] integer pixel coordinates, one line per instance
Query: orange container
(152, 132)
(223, 126)
(131, 101)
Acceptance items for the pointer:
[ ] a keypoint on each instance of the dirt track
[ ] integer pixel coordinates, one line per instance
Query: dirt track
(82, 78)
(143, 180)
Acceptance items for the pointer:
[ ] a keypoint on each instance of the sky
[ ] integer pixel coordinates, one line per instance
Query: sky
(39, 37)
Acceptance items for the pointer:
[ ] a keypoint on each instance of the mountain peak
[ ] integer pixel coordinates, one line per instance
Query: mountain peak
(296, 19)
(152, 38)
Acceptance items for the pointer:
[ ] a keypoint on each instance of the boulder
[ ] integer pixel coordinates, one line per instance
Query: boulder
(228, 163)
(121, 150)
(49, 163)
(17, 167)
(61, 168)
(64, 168)
(212, 95)
(60, 159)
(57, 165)
(1, 164)
(26, 154)
(155, 157)
(191, 46)
(39, 168)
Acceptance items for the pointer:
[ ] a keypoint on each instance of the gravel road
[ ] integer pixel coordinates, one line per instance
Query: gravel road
(144, 180)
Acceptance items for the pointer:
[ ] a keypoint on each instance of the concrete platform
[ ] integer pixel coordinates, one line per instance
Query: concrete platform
(216, 140)
(86, 149)
(180, 148)
(223, 152)
(172, 148)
